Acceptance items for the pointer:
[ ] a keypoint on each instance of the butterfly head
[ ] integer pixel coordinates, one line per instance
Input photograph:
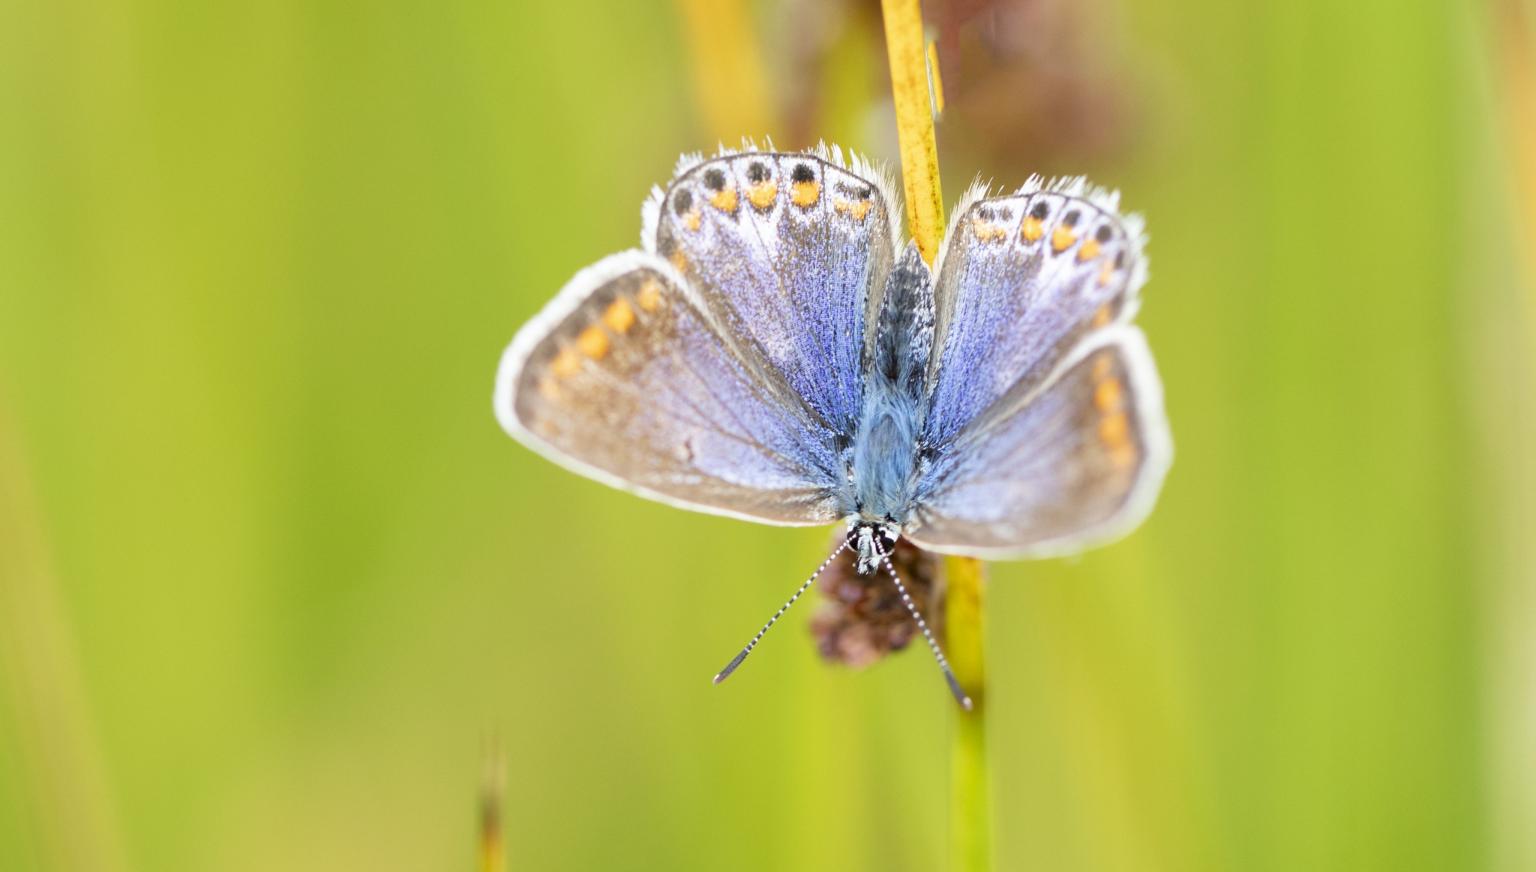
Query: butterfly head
(872, 542)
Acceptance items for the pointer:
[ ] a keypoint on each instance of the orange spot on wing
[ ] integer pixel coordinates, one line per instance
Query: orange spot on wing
(805, 194)
(1115, 430)
(857, 209)
(762, 194)
(1106, 272)
(1032, 229)
(1089, 251)
(593, 342)
(1109, 396)
(566, 364)
(1062, 238)
(726, 200)
(619, 317)
(987, 232)
(691, 219)
(649, 296)
(679, 260)
(1103, 315)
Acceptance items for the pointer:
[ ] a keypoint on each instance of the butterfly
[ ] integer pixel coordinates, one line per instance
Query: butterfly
(774, 352)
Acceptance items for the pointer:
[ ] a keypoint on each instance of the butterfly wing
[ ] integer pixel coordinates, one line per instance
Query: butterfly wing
(789, 253)
(1021, 281)
(1045, 424)
(1078, 462)
(625, 378)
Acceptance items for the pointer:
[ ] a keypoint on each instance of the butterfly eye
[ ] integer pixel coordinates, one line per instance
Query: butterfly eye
(1071, 218)
(714, 179)
(1104, 233)
(757, 172)
(1041, 211)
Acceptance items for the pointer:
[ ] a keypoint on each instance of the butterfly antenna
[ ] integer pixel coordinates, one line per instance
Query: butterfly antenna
(933, 645)
(736, 661)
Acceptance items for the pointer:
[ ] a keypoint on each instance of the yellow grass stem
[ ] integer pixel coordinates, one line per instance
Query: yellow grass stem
(914, 123)
(970, 810)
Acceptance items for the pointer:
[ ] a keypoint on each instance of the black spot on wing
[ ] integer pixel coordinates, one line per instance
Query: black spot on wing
(857, 192)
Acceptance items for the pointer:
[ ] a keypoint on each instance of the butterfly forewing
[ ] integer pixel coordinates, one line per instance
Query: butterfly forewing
(1021, 281)
(624, 378)
(1076, 463)
(788, 252)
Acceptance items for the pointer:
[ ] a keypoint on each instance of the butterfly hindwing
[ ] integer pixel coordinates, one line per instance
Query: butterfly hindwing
(1076, 462)
(625, 378)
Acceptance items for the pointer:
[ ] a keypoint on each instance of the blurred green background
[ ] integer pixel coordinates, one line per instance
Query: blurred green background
(271, 577)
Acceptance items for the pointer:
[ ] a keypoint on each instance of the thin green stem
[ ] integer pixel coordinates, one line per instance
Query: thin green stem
(970, 780)
(970, 808)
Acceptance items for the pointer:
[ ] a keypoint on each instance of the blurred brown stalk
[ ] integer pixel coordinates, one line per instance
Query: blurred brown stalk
(731, 87)
(493, 788)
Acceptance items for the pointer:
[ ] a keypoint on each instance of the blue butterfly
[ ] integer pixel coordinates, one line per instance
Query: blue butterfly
(774, 353)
